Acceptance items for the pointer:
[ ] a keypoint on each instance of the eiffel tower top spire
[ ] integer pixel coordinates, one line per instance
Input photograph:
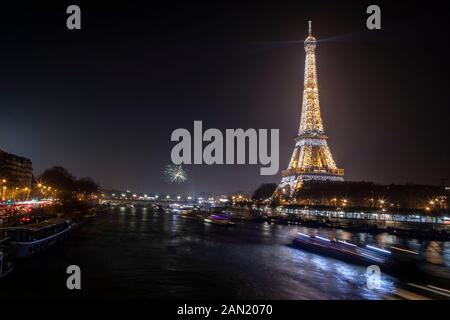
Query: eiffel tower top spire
(311, 120)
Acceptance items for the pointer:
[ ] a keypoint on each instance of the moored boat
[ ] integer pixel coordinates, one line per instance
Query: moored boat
(25, 241)
(6, 265)
(186, 211)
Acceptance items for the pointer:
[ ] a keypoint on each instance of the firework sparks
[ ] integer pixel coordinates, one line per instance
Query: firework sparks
(175, 174)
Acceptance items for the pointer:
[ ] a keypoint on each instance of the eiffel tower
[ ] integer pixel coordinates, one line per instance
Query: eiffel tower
(311, 159)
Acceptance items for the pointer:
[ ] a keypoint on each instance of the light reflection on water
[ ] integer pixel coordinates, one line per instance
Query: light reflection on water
(137, 253)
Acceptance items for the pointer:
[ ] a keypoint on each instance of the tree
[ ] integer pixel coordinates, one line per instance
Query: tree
(264, 191)
(59, 178)
(86, 186)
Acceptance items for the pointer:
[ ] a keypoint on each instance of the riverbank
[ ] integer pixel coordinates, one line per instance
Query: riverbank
(412, 224)
(404, 229)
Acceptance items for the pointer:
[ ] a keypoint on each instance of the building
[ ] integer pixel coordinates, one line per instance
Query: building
(311, 159)
(16, 174)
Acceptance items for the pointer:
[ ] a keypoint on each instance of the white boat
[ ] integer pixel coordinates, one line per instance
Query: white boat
(29, 240)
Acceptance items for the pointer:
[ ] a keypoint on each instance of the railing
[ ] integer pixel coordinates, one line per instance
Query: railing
(374, 216)
(290, 172)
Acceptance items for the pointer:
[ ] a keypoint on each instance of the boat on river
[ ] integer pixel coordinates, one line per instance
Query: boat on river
(28, 240)
(6, 265)
(218, 220)
(342, 250)
(392, 258)
(186, 211)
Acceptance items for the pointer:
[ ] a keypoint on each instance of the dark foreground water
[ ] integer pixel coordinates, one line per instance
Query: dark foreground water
(137, 253)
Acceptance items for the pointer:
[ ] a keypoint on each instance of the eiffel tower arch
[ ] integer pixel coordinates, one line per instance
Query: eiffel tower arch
(311, 158)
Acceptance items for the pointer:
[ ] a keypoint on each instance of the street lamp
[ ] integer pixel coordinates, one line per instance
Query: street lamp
(3, 193)
(27, 190)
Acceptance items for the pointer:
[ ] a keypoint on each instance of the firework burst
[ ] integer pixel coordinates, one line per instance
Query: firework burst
(175, 174)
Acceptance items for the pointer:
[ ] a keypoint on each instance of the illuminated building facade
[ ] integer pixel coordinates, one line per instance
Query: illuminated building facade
(311, 159)
(16, 174)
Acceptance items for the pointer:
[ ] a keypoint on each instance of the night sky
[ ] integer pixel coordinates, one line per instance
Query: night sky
(103, 101)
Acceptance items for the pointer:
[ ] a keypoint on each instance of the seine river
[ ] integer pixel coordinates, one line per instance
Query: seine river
(140, 254)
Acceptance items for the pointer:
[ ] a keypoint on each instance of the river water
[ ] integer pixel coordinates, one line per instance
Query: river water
(139, 254)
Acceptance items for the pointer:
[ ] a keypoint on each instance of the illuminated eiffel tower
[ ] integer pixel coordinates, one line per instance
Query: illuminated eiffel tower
(311, 159)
